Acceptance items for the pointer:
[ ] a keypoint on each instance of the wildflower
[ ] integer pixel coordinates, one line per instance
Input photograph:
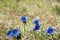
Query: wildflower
(16, 32)
(36, 21)
(9, 34)
(37, 27)
(23, 18)
(13, 33)
(50, 30)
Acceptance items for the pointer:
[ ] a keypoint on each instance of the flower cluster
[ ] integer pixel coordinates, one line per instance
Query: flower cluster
(50, 30)
(16, 32)
(13, 33)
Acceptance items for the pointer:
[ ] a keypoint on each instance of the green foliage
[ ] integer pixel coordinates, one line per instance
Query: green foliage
(58, 1)
(57, 8)
(24, 10)
(18, 8)
(39, 6)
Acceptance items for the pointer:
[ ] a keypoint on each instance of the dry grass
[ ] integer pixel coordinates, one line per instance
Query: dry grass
(11, 12)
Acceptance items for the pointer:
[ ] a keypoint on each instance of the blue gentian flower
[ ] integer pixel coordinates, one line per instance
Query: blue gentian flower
(10, 33)
(16, 32)
(23, 18)
(50, 30)
(13, 33)
(37, 27)
(36, 21)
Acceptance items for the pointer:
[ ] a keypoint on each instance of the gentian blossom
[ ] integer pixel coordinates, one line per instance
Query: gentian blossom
(13, 33)
(50, 30)
(36, 21)
(37, 26)
(10, 33)
(16, 32)
(23, 18)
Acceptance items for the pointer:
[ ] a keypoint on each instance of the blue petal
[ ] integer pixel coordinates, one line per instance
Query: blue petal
(50, 30)
(9, 34)
(36, 21)
(23, 18)
(13, 32)
(37, 27)
(16, 32)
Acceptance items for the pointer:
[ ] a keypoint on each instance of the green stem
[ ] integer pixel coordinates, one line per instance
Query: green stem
(52, 37)
(33, 35)
(24, 30)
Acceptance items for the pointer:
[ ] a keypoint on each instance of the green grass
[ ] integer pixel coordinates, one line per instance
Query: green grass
(12, 10)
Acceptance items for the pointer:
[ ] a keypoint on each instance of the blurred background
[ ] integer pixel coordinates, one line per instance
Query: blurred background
(47, 11)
